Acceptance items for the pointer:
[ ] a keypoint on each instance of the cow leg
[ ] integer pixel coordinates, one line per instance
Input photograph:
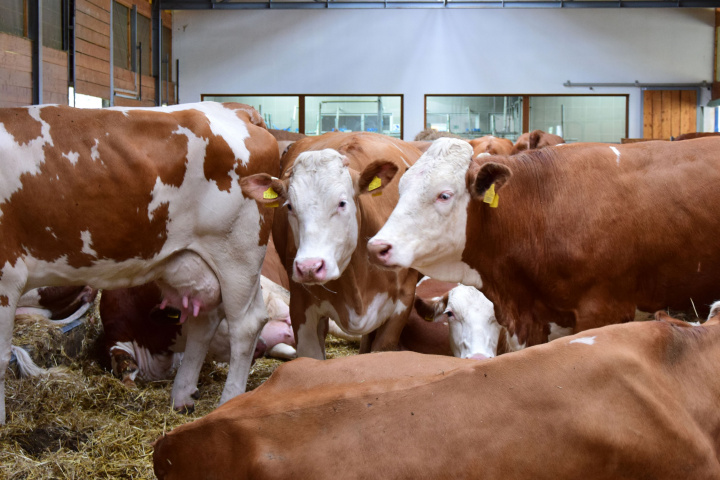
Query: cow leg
(11, 287)
(309, 326)
(200, 332)
(245, 325)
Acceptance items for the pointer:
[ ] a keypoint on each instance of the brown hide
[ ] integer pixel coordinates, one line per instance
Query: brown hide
(582, 236)
(491, 145)
(535, 140)
(421, 335)
(360, 281)
(638, 402)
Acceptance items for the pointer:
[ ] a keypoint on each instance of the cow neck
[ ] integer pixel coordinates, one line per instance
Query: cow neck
(503, 244)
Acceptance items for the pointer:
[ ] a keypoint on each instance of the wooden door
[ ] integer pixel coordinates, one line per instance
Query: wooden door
(669, 113)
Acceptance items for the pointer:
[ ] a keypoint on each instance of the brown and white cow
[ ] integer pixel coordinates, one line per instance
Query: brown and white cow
(637, 400)
(535, 140)
(141, 340)
(581, 235)
(57, 304)
(490, 145)
(119, 197)
(321, 236)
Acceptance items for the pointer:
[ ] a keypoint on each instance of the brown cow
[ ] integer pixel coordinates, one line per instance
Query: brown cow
(321, 234)
(581, 235)
(114, 198)
(535, 140)
(637, 400)
(489, 145)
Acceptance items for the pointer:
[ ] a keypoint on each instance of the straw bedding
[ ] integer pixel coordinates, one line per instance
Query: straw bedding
(81, 423)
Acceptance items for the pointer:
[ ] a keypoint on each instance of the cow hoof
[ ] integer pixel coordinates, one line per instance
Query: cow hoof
(185, 409)
(128, 382)
(195, 395)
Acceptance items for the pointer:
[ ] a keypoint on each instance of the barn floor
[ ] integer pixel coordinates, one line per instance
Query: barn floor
(82, 423)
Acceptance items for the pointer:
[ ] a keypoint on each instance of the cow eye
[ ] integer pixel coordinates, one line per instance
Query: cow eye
(449, 313)
(289, 207)
(444, 196)
(342, 204)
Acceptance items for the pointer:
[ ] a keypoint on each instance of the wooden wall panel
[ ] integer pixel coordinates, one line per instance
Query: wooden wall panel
(15, 71)
(669, 113)
(92, 47)
(55, 76)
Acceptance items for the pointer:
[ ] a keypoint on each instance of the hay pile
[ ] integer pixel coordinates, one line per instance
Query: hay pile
(85, 424)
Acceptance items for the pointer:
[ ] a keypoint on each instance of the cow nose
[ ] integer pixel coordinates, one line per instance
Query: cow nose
(379, 251)
(478, 356)
(311, 269)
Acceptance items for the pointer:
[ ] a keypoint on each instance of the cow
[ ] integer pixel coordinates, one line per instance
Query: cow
(690, 136)
(535, 140)
(489, 145)
(321, 233)
(620, 402)
(583, 234)
(141, 340)
(59, 305)
(114, 198)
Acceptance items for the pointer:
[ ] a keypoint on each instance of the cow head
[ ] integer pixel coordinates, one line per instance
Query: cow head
(320, 193)
(426, 230)
(474, 332)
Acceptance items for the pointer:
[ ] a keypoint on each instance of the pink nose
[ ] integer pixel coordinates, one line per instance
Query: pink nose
(379, 251)
(478, 356)
(310, 270)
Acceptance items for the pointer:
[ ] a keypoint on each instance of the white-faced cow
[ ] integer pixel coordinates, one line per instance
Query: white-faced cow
(578, 235)
(322, 233)
(629, 401)
(119, 197)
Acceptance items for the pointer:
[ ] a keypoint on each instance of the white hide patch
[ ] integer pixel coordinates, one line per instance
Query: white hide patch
(150, 366)
(87, 243)
(72, 156)
(617, 154)
(556, 331)
(380, 309)
(21, 159)
(584, 340)
(95, 152)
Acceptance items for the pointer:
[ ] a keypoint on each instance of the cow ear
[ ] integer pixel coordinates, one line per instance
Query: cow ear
(375, 177)
(481, 177)
(264, 189)
(429, 310)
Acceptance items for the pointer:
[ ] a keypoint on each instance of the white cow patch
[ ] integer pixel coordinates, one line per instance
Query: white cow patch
(556, 331)
(94, 152)
(381, 307)
(584, 340)
(72, 156)
(87, 243)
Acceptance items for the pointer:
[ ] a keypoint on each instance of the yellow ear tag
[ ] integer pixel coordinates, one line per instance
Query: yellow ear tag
(490, 195)
(429, 319)
(269, 194)
(375, 184)
(495, 201)
(272, 205)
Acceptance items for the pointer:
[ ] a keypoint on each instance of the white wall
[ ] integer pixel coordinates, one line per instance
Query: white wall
(457, 51)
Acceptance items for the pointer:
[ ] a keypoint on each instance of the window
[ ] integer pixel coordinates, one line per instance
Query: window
(353, 113)
(12, 17)
(121, 36)
(144, 38)
(279, 112)
(576, 118)
(315, 114)
(52, 26)
(585, 118)
(475, 116)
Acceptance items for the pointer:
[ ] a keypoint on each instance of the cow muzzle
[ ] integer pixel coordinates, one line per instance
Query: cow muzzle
(310, 270)
(380, 253)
